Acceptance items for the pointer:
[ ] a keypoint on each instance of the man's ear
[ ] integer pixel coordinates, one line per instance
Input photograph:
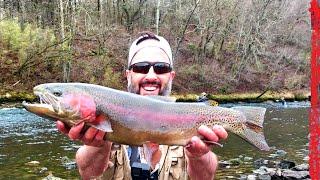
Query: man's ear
(173, 74)
(127, 73)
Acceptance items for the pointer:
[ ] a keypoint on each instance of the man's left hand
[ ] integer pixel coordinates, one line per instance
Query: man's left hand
(197, 148)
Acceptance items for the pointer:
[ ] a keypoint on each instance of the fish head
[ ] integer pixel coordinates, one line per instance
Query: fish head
(62, 101)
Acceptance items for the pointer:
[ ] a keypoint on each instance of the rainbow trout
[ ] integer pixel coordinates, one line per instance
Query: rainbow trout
(135, 120)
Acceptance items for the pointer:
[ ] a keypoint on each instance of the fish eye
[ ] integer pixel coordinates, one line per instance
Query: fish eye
(57, 93)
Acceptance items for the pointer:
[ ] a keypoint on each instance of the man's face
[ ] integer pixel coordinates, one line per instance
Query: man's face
(150, 83)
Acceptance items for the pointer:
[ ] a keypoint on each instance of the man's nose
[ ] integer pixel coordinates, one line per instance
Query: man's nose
(151, 75)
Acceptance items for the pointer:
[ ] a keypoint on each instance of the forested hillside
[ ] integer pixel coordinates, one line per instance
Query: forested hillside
(220, 46)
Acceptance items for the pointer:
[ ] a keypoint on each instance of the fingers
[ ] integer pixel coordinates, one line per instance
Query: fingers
(208, 133)
(62, 128)
(100, 135)
(91, 137)
(197, 147)
(220, 131)
(75, 131)
(198, 144)
(215, 134)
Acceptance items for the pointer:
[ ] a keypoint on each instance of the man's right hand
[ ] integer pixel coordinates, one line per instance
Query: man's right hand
(91, 137)
(93, 157)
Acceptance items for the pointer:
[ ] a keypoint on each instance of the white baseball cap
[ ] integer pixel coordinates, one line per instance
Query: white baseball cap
(148, 39)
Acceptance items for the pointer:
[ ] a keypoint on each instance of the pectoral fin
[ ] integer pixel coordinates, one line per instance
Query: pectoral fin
(104, 126)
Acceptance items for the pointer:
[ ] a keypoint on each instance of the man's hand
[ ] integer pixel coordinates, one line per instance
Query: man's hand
(92, 161)
(91, 137)
(197, 147)
(200, 158)
(91, 158)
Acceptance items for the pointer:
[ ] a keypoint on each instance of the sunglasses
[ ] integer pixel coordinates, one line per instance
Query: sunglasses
(144, 67)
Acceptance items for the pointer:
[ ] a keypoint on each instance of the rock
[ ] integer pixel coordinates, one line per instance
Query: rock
(278, 172)
(43, 169)
(243, 177)
(281, 152)
(263, 162)
(65, 159)
(202, 98)
(301, 167)
(68, 163)
(235, 161)
(287, 173)
(251, 177)
(223, 164)
(261, 171)
(258, 163)
(51, 177)
(285, 164)
(247, 159)
(264, 177)
(33, 163)
(230, 177)
(273, 155)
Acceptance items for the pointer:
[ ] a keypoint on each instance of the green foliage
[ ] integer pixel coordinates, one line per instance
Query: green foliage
(192, 47)
(25, 40)
(111, 78)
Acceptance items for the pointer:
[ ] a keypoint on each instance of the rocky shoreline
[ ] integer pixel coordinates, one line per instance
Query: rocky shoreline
(275, 167)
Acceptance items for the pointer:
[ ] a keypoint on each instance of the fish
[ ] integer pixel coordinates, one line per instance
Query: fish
(135, 120)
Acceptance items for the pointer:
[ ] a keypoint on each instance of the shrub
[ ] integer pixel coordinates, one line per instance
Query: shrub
(24, 41)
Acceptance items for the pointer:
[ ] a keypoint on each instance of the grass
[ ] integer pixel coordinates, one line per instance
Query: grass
(247, 97)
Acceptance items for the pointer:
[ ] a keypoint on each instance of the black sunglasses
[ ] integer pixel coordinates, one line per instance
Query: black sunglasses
(144, 67)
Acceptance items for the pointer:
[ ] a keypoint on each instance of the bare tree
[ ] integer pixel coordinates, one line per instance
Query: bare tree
(66, 62)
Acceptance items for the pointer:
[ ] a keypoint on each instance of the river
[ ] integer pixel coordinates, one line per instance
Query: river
(32, 148)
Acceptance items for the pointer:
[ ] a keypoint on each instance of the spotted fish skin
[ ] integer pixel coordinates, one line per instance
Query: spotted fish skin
(134, 119)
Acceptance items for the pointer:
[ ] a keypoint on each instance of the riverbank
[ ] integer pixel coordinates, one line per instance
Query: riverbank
(14, 99)
(290, 96)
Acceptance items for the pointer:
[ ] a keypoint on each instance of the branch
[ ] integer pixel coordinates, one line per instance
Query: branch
(185, 29)
(29, 60)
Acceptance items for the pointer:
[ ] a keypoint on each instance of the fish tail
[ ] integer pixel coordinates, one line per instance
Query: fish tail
(253, 126)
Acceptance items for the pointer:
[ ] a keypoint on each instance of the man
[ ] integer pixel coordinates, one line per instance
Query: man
(149, 72)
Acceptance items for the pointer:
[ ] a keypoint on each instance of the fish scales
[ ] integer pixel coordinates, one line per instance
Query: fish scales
(134, 119)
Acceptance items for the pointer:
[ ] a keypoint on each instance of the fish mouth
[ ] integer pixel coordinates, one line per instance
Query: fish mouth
(47, 98)
(47, 104)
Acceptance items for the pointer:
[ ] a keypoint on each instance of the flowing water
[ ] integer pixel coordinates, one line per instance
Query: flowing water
(25, 137)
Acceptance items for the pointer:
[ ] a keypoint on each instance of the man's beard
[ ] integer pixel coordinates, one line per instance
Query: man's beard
(136, 88)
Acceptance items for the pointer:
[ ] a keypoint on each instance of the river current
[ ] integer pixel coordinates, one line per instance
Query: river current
(32, 148)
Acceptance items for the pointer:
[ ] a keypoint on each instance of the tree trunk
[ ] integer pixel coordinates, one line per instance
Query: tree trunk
(101, 23)
(23, 14)
(66, 63)
(73, 18)
(2, 9)
(158, 17)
